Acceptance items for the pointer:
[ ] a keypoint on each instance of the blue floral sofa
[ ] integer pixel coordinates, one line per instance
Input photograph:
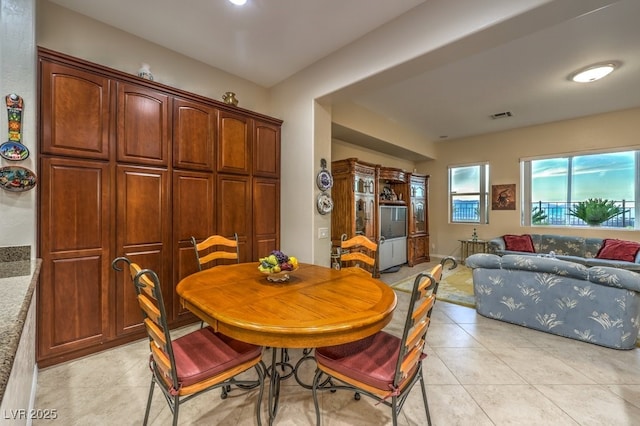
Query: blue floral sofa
(598, 304)
(586, 251)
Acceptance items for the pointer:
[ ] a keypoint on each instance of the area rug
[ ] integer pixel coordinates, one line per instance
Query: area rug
(456, 286)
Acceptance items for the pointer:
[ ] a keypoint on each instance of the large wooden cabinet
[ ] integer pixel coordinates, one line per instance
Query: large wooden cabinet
(354, 191)
(418, 235)
(133, 168)
(359, 191)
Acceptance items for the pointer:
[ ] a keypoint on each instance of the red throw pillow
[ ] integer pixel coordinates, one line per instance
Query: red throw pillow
(618, 250)
(519, 243)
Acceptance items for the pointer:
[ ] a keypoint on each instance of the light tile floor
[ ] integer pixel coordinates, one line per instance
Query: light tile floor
(478, 372)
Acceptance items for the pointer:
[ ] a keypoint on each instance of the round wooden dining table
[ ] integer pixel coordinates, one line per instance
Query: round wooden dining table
(318, 306)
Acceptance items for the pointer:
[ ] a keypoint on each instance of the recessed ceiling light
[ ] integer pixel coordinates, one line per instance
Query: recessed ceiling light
(593, 72)
(238, 2)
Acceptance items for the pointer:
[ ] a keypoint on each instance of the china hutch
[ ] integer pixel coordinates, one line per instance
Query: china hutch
(355, 200)
(131, 167)
(388, 205)
(418, 235)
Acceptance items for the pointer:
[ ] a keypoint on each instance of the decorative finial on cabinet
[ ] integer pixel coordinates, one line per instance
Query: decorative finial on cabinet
(230, 98)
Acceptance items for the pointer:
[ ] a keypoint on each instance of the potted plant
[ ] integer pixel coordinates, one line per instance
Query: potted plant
(595, 211)
(538, 216)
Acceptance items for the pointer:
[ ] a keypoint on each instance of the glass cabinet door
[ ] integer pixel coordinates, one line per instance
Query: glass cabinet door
(419, 216)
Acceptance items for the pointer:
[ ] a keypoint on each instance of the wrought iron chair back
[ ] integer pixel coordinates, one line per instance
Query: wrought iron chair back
(205, 360)
(383, 366)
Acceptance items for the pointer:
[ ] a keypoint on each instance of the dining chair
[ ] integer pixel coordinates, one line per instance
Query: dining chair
(197, 362)
(216, 247)
(359, 251)
(383, 366)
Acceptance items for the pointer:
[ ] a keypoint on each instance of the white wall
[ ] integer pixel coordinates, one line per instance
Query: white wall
(17, 75)
(341, 150)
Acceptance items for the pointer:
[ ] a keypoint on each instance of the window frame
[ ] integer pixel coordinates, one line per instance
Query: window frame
(526, 185)
(482, 194)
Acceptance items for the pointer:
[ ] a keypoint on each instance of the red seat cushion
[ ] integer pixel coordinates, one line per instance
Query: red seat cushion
(618, 250)
(205, 353)
(371, 361)
(519, 243)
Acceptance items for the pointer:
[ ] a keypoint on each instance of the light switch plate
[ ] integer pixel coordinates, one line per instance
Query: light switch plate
(323, 233)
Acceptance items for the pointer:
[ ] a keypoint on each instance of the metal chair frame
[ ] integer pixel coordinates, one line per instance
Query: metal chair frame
(408, 369)
(149, 294)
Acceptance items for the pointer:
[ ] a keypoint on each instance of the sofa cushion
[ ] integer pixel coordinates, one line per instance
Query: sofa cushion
(519, 243)
(562, 244)
(574, 259)
(621, 264)
(544, 265)
(618, 250)
(591, 247)
(615, 277)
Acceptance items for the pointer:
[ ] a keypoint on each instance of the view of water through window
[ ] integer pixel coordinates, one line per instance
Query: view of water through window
(468, 188)
(557, 184)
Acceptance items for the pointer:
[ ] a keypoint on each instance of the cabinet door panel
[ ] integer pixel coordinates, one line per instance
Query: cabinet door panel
(193, 215)
(234, 142)
(74, 204)
(74, 241)
(233, 201)
(143, 125)
(75, 112)
(266, 216)
(193, 135)
(419, 220)
(76, 303)
(266, 152)
(142, 234)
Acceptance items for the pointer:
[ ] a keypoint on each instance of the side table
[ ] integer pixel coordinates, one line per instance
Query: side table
(469, 247)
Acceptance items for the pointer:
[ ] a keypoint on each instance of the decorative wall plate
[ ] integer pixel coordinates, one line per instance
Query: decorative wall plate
(324, 180)
(14, 151)
(324, 203)
(17, 179)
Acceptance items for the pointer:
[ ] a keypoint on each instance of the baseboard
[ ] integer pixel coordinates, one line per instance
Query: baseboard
(32, 395)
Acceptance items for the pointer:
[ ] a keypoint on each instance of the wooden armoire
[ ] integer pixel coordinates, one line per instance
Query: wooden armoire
(355, 198)
(358, 192)
(131, 167)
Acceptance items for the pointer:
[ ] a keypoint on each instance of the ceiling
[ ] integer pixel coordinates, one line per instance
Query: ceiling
(518, 66)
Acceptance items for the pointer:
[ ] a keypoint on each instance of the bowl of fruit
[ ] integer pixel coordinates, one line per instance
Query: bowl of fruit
(277, 266)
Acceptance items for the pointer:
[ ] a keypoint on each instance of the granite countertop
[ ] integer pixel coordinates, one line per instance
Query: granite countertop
(17, 283)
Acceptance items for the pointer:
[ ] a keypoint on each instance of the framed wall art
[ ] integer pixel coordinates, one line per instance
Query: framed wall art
(503, 197)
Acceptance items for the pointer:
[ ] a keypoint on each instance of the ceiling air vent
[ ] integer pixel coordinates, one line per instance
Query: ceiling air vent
(501, 115)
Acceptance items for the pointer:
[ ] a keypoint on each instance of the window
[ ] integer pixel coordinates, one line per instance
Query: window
(469, 193)
(554, 186)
